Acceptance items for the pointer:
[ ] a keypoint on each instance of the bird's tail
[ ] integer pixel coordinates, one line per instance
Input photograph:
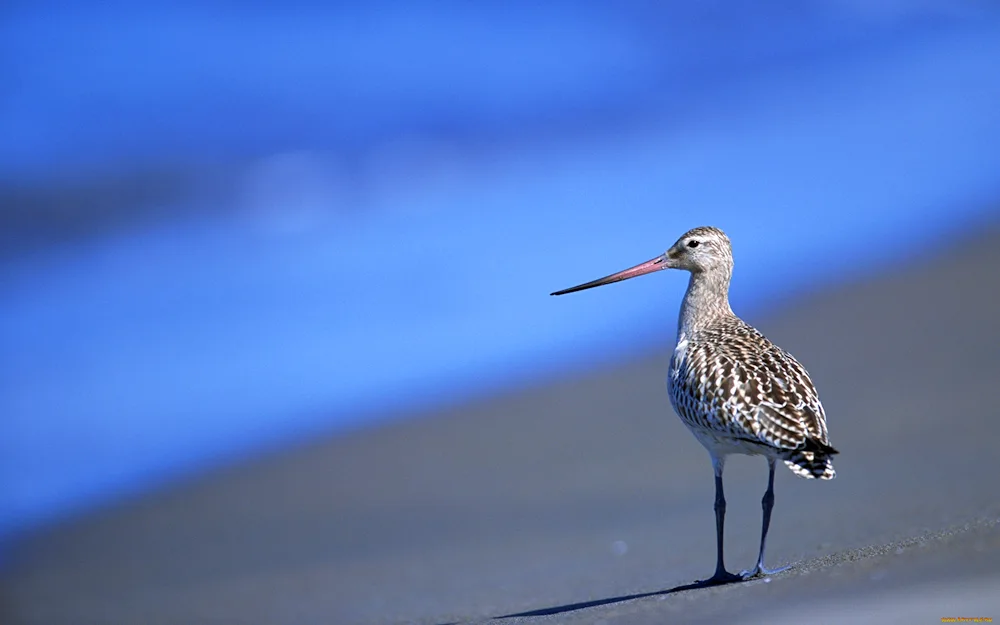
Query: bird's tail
(813, 461)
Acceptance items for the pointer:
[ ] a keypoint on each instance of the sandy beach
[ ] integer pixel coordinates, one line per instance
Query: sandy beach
(561, 503)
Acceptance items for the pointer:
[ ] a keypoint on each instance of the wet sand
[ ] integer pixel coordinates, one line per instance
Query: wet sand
(568, 498)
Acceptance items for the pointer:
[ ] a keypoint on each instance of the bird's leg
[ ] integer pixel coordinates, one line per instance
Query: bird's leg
(767, 503)
(721, 576)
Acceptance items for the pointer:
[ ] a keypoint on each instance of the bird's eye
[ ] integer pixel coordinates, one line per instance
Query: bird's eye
(693, 243)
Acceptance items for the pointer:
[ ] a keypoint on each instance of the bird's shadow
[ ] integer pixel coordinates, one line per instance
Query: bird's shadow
(570, 607)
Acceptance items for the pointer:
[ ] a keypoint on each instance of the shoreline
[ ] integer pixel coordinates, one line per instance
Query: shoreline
(589, 488)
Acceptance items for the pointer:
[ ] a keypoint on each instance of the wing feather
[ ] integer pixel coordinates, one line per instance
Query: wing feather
(751, 389)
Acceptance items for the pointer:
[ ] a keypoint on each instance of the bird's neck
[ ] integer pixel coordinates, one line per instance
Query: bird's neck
(706, 301)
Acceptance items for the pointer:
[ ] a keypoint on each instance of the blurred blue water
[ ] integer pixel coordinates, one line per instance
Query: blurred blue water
(308, 304)
(91, 84)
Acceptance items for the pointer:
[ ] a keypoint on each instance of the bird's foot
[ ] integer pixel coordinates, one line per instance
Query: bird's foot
(721, 576)
(760, 571)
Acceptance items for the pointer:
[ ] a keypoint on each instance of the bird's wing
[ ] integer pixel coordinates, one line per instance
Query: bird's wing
(789, 413)
(768, 396)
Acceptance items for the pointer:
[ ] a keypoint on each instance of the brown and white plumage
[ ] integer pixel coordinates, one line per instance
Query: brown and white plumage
(735, 389)
(737, 392)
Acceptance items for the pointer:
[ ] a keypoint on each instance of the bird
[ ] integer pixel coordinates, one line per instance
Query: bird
(735, 390)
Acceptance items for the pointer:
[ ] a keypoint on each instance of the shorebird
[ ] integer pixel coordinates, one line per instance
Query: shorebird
(736, 391)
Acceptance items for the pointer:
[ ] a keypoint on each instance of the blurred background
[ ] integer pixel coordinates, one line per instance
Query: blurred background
(227, 228)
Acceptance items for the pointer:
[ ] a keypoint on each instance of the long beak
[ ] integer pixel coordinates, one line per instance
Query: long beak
(657, 264)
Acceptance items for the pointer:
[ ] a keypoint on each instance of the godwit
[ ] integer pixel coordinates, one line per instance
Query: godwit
(737, 392)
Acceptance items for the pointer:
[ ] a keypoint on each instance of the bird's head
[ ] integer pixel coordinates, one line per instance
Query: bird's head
(705, 249)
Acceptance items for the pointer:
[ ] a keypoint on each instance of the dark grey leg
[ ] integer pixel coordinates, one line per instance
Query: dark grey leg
(720, 522)
(721, 575)
(767, 504)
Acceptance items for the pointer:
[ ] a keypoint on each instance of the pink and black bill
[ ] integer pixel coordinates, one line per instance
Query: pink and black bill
(656, 264)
